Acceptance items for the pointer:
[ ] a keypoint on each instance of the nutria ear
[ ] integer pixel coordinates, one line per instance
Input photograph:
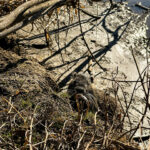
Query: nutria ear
(73, 75)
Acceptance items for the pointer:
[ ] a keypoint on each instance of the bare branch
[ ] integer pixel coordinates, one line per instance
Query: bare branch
(79, 142)
(14, 15)
(21, 15)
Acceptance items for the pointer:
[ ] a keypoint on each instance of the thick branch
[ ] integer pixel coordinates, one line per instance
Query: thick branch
(39, 7)
(17, 26)
(30, 15)
(10, 19)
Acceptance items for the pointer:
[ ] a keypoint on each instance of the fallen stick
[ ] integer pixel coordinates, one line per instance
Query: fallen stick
(141, 6)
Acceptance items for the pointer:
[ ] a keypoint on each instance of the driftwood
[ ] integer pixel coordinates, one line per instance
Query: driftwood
(27, 13)
(141, 6)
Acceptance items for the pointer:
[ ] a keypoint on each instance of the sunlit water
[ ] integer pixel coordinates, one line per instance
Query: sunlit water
(131, 3)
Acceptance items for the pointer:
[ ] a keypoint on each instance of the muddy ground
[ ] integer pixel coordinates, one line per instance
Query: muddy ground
(111, 37)
(111, 34)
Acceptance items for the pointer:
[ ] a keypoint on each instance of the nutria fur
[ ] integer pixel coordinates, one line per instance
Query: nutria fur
(81, 87)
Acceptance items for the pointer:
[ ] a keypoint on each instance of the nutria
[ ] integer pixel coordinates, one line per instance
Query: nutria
(83, 96)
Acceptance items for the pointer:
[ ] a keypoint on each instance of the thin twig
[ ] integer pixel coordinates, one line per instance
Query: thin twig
(14, 108)
(90, 142)
(93, 57)
(79, 142)
(30, 134)
(46, 137)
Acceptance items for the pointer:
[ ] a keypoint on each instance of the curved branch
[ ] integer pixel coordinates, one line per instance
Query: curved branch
(30, 15)
(10, 19)
(39, 7)
(17, 26)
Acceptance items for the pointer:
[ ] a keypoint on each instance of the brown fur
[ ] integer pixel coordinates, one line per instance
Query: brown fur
(81, 90)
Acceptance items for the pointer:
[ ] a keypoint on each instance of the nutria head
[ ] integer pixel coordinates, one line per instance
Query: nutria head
(79, 84)
(80, 89)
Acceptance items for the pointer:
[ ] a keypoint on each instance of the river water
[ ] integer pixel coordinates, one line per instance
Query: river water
(131, 3)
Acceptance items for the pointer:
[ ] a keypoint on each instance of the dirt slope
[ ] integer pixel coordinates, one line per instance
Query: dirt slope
(111, 36)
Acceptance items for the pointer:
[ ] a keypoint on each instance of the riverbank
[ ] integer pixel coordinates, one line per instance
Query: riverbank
(111, 35)
(111, 38)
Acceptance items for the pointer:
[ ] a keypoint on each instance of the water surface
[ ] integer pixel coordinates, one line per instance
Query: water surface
(135, 9)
